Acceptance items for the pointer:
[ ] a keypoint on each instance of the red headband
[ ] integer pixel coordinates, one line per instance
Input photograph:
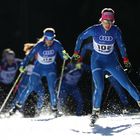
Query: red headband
(107, 16)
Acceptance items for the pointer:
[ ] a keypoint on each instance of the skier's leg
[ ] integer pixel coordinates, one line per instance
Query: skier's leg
(32, 84)
(123, 79)
(119, 90)
(21, 86)
(63, 97)
(98, 78)
(79, 101)
(51, 78)
(26, 92)
(41, 93)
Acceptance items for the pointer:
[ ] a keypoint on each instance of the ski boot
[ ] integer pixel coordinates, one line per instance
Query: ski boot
(138, 102)
(94, 117)
(56, 112)
(14, 109)
(37, 112)
(125, 111)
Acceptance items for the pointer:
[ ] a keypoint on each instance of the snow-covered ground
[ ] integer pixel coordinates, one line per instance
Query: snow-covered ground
(69, 128)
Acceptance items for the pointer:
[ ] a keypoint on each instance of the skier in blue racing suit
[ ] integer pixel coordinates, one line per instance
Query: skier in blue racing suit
(45, 52)
(69, 87)
(104, 58)
(114, 83)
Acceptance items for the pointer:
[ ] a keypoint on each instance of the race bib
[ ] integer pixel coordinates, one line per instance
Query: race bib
(102, 48)
(46, 60)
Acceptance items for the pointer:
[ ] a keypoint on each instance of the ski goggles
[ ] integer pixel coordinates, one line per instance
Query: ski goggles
(107, 21)
(49, 38)
(49, 35)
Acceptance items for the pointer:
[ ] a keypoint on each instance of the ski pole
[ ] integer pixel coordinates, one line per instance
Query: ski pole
(10, 92)
(61, 77)
(62, 73)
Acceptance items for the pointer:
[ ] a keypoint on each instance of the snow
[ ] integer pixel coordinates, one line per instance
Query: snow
(69, 127)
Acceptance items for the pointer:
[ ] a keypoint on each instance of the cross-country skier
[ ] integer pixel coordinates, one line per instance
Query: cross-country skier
(23, 83)
(9, 66)
(45, 52)
(104, 58)
(114, 83)
(70, 87)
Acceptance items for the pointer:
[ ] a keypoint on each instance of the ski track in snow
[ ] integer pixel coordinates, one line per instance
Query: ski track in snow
(69, 127)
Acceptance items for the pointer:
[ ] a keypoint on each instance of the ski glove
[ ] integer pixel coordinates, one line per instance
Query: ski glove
(65, 55)
(78, 65)
(22, 69)
(76, 56)
(127, 64)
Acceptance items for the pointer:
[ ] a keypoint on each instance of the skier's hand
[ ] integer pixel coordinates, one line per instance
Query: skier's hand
(127, 64)
(78, 65)
(76, 56)
(65, 55)
(22, 69)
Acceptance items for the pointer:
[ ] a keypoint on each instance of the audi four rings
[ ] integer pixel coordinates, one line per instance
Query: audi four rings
(105, 38)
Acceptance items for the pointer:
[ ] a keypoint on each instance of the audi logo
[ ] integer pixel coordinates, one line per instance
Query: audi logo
(49, 52)
(105, 38)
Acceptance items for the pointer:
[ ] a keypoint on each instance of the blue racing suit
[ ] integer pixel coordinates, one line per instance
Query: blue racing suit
(104, 58)
(114, 83)
(23, 84)
(44, 65)
(119, 90)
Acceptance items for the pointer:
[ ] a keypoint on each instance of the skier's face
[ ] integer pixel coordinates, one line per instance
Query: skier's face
(10, 58)
(107, 24)
(49, 42)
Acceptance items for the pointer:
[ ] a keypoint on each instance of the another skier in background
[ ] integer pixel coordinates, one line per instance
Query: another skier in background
(23, 83)
(70, 87)
(9, 66)
(45, 52)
